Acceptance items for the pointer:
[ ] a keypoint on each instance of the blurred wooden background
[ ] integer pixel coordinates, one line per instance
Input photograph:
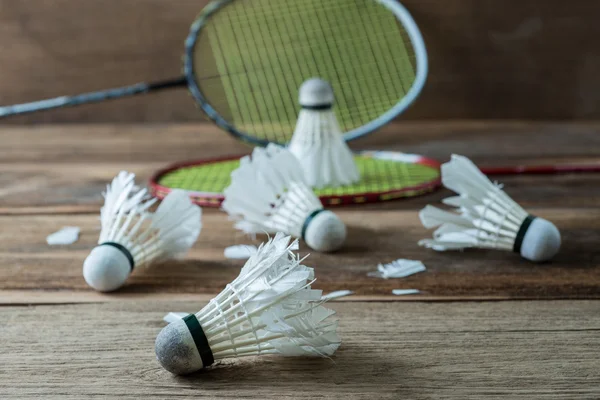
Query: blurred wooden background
(490, 59)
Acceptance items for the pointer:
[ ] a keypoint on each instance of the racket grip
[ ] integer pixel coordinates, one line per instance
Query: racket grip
(85, 98)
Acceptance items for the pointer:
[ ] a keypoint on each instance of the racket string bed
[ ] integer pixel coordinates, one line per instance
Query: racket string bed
(264, 50)
(384, 176)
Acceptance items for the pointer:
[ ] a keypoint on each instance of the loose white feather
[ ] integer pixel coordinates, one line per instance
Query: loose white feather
(404, 292)
(240, 252)
(174, 316)
(400, 268)
(337, 294)
(65, 236)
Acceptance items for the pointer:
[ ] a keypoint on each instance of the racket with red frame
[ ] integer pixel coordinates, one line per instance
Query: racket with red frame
(385, 175)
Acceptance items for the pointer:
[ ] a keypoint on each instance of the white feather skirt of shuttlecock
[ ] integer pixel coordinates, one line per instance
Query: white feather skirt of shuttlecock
(484, 216)
(270, 308)
(169, 232)
(319, 146)
(268, 193)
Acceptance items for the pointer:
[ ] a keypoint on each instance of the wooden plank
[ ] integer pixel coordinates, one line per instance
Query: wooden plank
(65, 168)
(518, 141)
(61, 297)
(489, 59)
(28, 264)
(526, 350)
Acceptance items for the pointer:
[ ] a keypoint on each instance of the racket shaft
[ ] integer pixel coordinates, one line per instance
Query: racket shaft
(92, 97)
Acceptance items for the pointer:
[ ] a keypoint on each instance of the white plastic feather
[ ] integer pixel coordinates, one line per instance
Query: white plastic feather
(337, 294)
(270, 308)
(64, 236)
(485, 217)
(131, 235)
(400, 268)
(268, 194)
(240, 252)
(174, 316)
(404, 292)
(318, 142)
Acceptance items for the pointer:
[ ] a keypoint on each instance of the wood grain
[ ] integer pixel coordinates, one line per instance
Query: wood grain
(489, 59)
(65, 168)
(27, 263)
(524, 350)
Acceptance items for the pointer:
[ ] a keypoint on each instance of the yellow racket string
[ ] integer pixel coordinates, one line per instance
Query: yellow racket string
(252, 56)
(377, 176)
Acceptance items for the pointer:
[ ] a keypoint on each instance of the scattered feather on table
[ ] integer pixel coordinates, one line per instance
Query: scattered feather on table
(67, 235)
(174, 316)
(337, 294)
(403, 292)
(240, 252)
(400, 268)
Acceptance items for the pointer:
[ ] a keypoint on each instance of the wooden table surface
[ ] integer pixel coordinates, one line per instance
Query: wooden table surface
(486, 325)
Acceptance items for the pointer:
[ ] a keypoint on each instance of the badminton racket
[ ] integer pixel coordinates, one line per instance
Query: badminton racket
(385, 175)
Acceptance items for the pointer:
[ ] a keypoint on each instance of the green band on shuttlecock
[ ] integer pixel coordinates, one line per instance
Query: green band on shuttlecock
(318, 107)
(308, 220)
(123, 250)
(200, 339)
(522, 231)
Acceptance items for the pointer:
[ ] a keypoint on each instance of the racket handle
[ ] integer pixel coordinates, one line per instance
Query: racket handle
(93, 97)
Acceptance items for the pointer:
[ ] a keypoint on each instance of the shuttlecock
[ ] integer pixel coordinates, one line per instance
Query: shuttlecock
(318, 142)
(269, 194)
(486, 217)
(269, 308)
(132, 236)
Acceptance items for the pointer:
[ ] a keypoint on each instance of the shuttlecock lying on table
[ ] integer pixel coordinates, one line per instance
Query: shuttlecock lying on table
(132, 236)
(269, 308)
(318, 142)
(269, 194)
(486, 217)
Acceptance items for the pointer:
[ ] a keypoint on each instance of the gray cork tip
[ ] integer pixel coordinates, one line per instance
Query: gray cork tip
(176, 351)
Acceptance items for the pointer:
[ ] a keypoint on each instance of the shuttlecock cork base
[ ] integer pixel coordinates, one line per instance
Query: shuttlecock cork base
(538, 239)
(108, 266)
(182, 347)
(318, 143)
(323, 231)
(486, 217)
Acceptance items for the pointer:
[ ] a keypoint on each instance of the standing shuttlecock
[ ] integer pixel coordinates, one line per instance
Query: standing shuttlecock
(269, 308)
(487, 218)
(318, 142)
(132, 236)
(269, 194)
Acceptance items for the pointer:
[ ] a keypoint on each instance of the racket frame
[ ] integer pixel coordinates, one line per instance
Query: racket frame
(212, 199)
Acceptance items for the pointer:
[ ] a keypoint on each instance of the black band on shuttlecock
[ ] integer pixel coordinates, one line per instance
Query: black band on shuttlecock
(308, 220)
(123, 250)
(200, 339)
(317, 107)
(522, 231)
